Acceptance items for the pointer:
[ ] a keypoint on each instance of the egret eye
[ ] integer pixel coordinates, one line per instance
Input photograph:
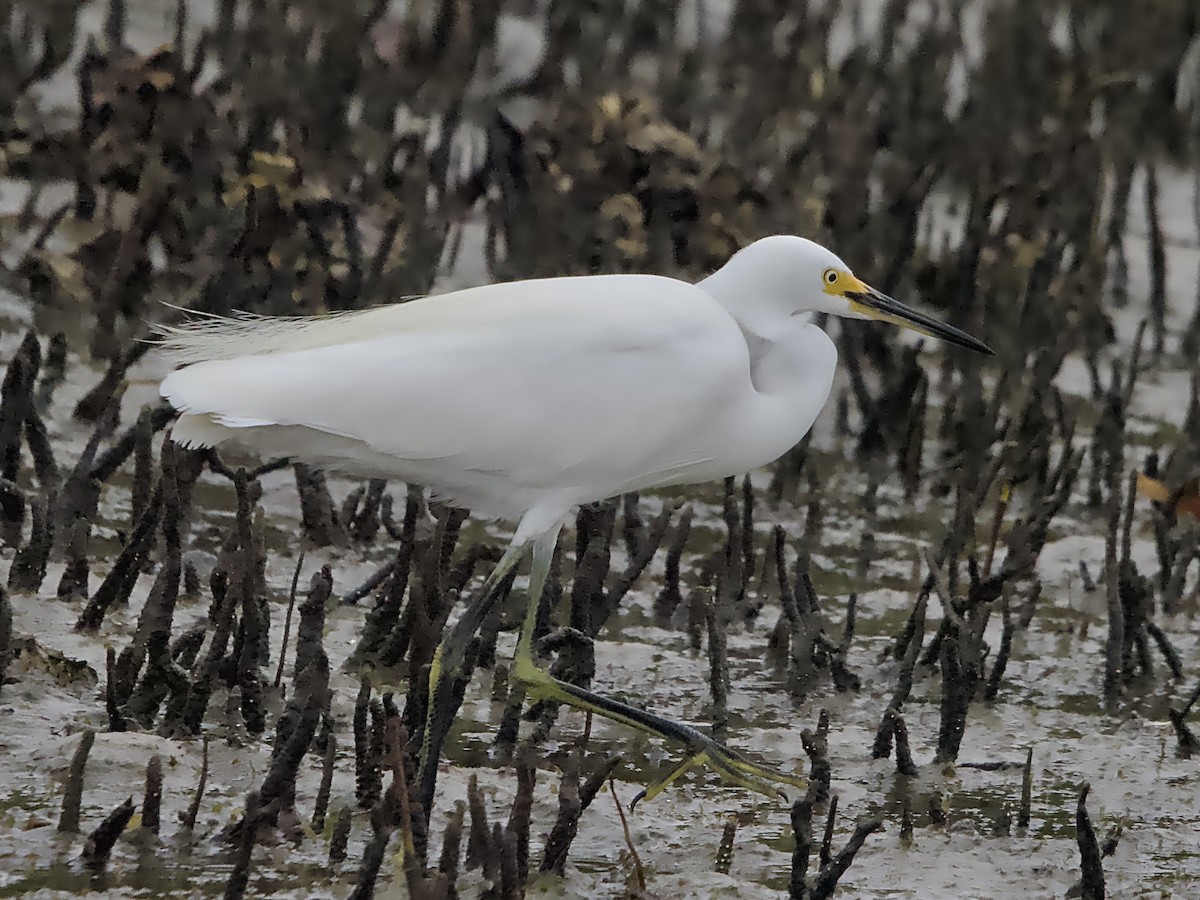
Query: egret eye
(830, 276)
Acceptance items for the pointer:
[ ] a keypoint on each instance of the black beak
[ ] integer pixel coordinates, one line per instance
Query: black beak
(880, 306)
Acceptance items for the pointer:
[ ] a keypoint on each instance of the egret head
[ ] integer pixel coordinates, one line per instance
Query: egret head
(795, 275)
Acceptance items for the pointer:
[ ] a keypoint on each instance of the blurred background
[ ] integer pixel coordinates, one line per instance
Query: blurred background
(1002, 554)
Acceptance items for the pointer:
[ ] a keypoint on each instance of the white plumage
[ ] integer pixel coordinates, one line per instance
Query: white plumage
(554, 391)
(536, 394)
(523, 400)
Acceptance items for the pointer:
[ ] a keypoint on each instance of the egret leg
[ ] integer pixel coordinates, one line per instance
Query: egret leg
(701, 749)
(447, 672)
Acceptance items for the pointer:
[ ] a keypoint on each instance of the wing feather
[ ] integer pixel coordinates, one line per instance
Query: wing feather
(547, 383)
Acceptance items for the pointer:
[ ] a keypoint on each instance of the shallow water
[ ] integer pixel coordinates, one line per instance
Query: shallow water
(1051, 701)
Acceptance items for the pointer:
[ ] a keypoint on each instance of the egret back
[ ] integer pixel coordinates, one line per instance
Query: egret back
(499, 397)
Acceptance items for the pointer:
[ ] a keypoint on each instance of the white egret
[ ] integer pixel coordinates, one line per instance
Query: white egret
(523, 400)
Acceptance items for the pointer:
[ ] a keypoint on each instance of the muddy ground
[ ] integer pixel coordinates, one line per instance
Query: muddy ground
(1024, 170)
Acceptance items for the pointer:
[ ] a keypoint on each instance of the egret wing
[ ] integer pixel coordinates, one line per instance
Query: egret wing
(551, 383)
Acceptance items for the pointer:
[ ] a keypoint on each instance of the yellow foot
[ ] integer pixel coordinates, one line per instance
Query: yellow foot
(702, 749)
(733, 768)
